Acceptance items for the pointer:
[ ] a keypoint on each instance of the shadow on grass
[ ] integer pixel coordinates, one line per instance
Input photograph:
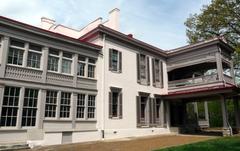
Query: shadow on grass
(222, 144)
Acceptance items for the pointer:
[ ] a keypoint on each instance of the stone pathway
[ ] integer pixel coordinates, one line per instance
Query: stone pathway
(129, 144)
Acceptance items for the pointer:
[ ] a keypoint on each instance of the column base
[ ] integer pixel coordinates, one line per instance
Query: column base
(226, 132)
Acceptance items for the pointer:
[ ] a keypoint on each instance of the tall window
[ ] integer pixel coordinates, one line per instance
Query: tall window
(53, 60)
(143, 73)
(157, 67)
(66, 62)
(30, 107)
(51, 104)
(143, 66)
(65, 105)
(91, 106)
(115, 60)
(81, 66)
(91, 67)
(10, 106)
(34, 56)
(80, 105)
(15, 53)
(115, 103)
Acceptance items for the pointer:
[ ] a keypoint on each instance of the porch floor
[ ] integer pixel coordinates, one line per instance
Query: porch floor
(131, 144)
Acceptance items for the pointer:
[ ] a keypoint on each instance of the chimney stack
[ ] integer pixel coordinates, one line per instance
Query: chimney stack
(47, 23)
(114, 18)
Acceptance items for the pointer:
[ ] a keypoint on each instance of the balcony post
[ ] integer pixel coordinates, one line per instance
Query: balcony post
(219, 66)
(167, 114)
(4, 55)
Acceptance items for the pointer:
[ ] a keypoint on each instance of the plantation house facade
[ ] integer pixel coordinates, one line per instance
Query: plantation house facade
(62, 85)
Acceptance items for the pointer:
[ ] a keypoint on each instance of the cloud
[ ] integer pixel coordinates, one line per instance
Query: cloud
(160, 23)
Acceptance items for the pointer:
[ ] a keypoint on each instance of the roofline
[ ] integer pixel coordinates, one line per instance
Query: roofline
(124, 37)
(216, 40)
(47, 33)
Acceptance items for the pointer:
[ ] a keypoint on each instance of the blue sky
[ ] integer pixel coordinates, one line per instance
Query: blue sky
(157, 22)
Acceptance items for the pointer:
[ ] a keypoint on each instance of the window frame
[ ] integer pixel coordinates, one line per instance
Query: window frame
(33, 108)
(67, 59)
(34, 52)
(81, 106)
(51, 104)
(94, 68)
(66, 106)
(18, 49)
(12, 107)
(54, 56)
(118, 68)
(91, 104)
(119, 103)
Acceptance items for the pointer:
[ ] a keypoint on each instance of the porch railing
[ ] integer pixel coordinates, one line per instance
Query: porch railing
(193, 81)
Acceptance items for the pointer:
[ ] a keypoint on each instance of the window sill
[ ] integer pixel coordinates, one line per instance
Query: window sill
(115, 118)
(80, 77)
(49, 71)
(29, 68)
(117, 72)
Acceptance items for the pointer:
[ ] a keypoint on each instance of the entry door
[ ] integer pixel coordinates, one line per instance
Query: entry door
(176, 114)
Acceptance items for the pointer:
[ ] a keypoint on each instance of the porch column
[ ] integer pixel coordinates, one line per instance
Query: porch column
(4, 55)
(226, 130)
(195, 108)
(162, 113)
(237, 113)
(219, 66)
(167, 113)
(206, 111)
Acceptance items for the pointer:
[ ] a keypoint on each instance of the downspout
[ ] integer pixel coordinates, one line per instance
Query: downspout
(103, 89)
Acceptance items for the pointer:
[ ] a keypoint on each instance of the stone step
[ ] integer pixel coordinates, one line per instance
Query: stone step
(12, 147)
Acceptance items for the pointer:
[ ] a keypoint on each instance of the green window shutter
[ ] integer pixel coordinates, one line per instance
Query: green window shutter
(110, 59)
(120, 62)
(148, 71)
(153, 72)
(110, 105)
(161, 74)
(120, 105)
(138, 107)
(138, 68)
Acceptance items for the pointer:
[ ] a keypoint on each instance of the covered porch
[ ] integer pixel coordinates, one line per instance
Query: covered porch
(190, 111)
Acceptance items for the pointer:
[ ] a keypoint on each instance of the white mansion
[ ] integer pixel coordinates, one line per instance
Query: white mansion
(62, 85)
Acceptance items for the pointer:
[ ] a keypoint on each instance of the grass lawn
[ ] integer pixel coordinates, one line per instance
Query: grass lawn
(220, 144)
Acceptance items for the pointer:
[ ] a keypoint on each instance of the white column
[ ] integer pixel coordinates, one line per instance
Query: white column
(168, 114)
(219, 66)
(226, 127)
(86, 107)
(73, 109)
(25, 54)
(237, 112)
(41, 108)
(195, 105)
(162, 113)
(5, 46)
(44, 63)
(206, 111)
(74, 69)
(1, 98)
(20, 107)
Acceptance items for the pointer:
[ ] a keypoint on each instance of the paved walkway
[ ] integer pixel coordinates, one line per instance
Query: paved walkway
(129, 144)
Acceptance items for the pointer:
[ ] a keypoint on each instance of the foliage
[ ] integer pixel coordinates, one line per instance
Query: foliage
(222, 144)
(220, 18)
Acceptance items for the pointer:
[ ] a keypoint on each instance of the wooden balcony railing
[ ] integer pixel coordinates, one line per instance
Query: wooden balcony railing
(193, 81)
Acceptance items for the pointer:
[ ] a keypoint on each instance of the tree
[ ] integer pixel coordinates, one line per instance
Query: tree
(220, 18)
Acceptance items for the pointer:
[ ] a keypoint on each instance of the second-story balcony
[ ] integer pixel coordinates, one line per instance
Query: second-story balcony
(199, 76)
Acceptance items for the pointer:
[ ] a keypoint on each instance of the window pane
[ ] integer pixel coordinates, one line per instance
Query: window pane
(91, 70)
(143, 66)
(65, 105)
(114, 59)
(53, 63)
(51, 104)
(80, 105)
(66, 66)
(10, 106)
(81, 69)
(35, 47)
(91, 106)
(29, 107)
(16, 43)
(115, 104)
(15, 56)
(33, 60)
